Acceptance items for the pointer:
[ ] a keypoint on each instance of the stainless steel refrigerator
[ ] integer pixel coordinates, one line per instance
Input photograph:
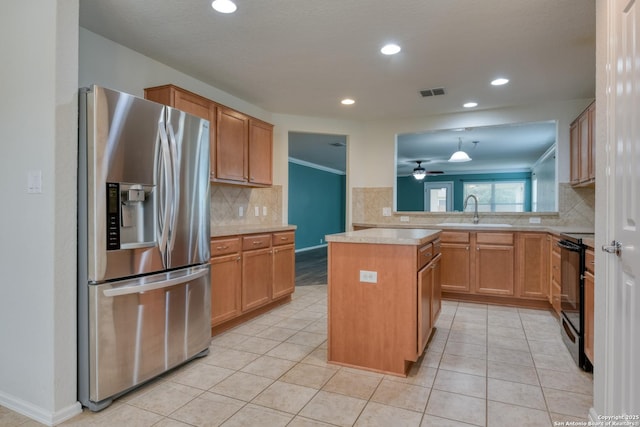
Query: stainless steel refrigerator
(143, 242)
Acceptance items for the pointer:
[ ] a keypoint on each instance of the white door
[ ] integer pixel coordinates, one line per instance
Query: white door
(438, 196)
(622, 271)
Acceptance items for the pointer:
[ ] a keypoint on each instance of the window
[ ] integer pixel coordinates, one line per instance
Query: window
(498, 196)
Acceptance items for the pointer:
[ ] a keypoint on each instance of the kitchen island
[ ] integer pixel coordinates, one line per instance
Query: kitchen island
(384, 297)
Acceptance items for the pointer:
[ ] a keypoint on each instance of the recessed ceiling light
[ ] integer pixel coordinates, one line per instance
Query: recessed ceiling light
(499, 82)
(347, 101)
(470, 104)
(390, 49)
(224, 6)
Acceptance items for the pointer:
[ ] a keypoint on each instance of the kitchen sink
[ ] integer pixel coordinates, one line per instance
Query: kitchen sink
(468, 224)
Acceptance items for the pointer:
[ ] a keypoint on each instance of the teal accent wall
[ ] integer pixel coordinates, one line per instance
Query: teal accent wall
(410, 192)
(316, 204)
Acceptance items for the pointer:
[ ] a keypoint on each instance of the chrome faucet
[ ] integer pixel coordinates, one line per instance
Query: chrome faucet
(476, 218)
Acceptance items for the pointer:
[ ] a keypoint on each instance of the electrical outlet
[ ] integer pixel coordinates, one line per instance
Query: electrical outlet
(264, 211)
(368, 276)
(256, 210)
(534, 220)
(241, 211)
(404, 219)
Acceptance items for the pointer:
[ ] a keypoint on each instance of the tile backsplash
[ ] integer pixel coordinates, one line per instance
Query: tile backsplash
(228, 200)
(576, 209)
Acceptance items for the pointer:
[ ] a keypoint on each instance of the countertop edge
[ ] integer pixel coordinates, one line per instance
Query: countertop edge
(553, 229)
(235, 230)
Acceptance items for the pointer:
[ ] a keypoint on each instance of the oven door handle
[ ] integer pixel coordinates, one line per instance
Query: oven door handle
(568, 245)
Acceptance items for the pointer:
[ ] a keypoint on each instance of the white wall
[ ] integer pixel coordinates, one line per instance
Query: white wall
(38, 243)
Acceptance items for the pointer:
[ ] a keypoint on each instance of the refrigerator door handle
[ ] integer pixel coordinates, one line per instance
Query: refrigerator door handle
(175, 200)
(136, 289)
(168, 193)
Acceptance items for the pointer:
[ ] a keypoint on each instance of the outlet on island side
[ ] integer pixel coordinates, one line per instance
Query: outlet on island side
(368, 276)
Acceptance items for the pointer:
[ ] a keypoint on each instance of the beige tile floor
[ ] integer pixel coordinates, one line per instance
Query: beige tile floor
(485, 366)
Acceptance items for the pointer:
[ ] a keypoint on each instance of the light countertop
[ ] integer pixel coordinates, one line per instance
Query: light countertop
(483, 226)
(386, 236)
(234, 230)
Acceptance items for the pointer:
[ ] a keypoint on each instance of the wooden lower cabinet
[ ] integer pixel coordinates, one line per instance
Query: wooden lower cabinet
(495, 266)
(456, 257)
(589, 290)
(226, 282)
(429, 300)
(533, 265)
(284, 275)
(495, 259)
(555, 288)
(249, 274)
(256, 278)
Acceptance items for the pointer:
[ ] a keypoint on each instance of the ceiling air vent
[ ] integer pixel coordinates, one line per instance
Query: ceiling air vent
(432, 92)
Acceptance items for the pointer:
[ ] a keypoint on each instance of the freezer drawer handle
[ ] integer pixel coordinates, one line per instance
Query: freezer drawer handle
(136, 289)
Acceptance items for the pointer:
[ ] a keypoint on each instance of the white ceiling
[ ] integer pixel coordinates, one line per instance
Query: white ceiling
(302, 57)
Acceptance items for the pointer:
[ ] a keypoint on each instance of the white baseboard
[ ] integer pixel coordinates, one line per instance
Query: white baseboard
(310, 248)
(37, 413)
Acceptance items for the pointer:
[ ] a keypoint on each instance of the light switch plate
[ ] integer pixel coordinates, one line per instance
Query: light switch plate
(386, 211)
(404, 219)
(256, 210)
(34, 182)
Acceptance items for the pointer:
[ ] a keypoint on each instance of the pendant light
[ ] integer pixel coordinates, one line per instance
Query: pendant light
(459, 156)
(419, 172)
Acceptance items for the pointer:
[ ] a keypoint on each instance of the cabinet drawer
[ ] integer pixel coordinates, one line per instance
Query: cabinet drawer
(589, 261)
(425, 254)
(225, 246)
(495, 238)
(283, 238)
(258, 241)
(455, 236)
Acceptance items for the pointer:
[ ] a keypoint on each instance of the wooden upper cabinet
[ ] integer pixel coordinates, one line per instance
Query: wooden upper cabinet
(241, 147)
(592, 143)
(231, 145)
(582, 147)
(574, 153)
(260, 152)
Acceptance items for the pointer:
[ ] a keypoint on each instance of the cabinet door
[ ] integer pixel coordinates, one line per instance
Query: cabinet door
(226, 281)
(584, 150)
(574, 146)
(193, 104)
(592, 146)
(436, 294)
(260, 152)
(284, 274)
(533, 262)
(588, 315)
(455, 273)
(231, 145)
(256, 278)
(425, 289)
(495, 269)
